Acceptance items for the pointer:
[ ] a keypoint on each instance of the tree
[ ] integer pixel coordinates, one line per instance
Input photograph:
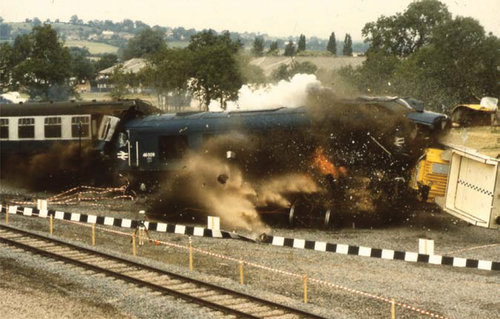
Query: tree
(74, 19)
(214, 68)
(128, 25)
(42, 64)
(118, 79)
(36, 22)
(289, 49)
(144, 44)
(460, 61)
(258, 46)
(302, 43)
(81, 67)
(403, 34)
(6, 65)
(273, 48)
(332, 44)
(5, 30)
(107, 60)
(141, 26)
(449, 62)
(167, 73)
(347, 50)
(375, 75)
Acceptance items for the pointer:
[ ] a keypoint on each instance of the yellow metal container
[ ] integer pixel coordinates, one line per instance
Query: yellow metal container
(431, 173)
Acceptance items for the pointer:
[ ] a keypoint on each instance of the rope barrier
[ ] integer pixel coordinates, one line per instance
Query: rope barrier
(472, 248)
(90, 193)
(300, 276)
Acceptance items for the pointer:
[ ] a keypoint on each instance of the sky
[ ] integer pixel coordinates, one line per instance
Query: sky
(279, 18)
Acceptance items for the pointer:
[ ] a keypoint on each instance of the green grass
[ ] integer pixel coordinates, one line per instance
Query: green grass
(93, 47)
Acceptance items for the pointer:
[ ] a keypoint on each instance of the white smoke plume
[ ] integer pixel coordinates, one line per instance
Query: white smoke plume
(291, 94)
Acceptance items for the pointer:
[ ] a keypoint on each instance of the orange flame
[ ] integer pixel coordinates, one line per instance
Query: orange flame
(325, 166)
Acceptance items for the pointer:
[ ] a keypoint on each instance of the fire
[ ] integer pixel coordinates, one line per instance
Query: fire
(325, 166)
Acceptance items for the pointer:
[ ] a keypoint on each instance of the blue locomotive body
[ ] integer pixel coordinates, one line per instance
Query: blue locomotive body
(158, 142)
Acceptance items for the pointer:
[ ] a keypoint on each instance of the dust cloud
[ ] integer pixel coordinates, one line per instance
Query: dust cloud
(353, 158)
(58, 168)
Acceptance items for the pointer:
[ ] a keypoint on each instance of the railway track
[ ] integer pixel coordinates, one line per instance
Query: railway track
(221, 300)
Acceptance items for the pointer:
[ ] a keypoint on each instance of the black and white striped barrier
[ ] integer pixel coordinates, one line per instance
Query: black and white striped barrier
(124, 223)
(382, 253)
(273, 240)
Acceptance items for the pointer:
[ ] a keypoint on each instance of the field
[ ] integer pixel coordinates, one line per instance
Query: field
(269, 64)
(93, 47)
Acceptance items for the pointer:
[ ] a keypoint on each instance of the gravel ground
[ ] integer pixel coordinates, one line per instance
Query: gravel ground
(449, 291)
(40, 287)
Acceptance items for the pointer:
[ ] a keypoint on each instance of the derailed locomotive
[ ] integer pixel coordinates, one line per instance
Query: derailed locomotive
(329, 157)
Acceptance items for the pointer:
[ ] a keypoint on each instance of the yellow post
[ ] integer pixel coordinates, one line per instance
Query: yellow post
(393, 309)
(51, 224)
(242, 281)
(93, 234)
(190, 253)
(305, 288)
(133, 245)
(7, 217)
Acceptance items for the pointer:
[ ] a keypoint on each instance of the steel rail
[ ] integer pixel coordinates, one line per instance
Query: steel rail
(143, 283)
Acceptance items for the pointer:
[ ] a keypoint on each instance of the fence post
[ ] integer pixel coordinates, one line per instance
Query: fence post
(93, 234)
(133, 245)
(393, 309)
(51, 225)
(305, 288)
(190, 253)
(242, 280)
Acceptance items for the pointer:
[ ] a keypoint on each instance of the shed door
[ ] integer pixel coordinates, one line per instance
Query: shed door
(475, 185)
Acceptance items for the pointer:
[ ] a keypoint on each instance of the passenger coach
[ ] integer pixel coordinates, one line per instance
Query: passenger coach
(30, 128)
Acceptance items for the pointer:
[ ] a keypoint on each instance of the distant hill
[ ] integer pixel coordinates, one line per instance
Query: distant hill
(109, 36)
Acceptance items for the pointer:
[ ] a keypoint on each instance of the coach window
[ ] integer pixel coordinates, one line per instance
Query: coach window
(4, 128)
(172, 147)
(53, 127)
(80, 124)
(26, 128)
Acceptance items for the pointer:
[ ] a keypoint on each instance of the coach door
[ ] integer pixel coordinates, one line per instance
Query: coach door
(108, 127)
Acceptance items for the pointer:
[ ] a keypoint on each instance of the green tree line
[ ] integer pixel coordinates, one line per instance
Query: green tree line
(426, 53)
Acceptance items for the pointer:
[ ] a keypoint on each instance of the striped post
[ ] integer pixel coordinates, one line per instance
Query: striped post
(51, 225)
(242, 280)
(133, 245)
(190, 253)
(93, 234)
(305, 288)
(393, 309)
